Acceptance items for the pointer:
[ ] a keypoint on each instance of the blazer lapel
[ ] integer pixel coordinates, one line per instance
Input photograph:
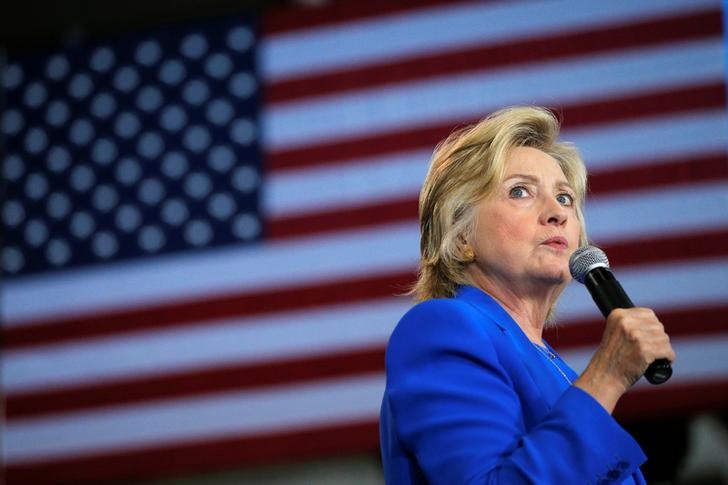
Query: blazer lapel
(549, 383)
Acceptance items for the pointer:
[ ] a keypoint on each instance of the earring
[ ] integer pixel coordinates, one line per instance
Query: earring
(468, 254)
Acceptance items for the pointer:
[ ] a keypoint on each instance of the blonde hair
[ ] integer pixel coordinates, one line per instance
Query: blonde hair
(466, 168)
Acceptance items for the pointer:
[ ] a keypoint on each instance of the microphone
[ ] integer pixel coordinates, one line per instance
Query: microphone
(590, 266)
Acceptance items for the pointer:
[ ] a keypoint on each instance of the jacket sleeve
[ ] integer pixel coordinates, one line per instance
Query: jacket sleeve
(456, 410)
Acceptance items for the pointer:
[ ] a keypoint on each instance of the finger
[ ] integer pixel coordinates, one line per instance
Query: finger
(661, 349)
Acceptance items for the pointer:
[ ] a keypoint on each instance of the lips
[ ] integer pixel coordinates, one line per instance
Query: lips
(556, 242)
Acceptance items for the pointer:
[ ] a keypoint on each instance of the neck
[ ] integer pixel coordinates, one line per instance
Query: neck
(528, 305)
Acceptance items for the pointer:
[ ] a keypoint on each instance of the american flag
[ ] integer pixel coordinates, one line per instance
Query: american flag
(208, 227)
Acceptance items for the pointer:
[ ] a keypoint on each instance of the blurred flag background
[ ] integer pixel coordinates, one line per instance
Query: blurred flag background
(208, 225)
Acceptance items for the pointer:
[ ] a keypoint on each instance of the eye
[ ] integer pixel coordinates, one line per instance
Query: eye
(565, 199)
(518, 192)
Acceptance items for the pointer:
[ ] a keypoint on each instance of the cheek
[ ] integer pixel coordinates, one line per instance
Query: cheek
(500, 230)
(504, 238)
(514, 229)
(575, 232)
(509, 235)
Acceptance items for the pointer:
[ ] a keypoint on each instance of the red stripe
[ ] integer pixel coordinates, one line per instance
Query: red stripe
(174, 385)
(664, 248)
(661, 173)
(199, 456)
(337, 12)
(658, 103)
(679, 323)
(670, 400)
(497, 56)
(183, 313)
(356, 437)
(246, 376)
(361, 147)
(378, 213)
(644, 105)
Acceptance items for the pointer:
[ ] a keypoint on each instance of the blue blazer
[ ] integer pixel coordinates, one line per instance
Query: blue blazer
(470, 399)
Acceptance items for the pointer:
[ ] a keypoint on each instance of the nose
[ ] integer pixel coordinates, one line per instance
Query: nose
(554, 214)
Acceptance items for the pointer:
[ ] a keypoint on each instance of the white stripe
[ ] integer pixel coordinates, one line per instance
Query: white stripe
(232, 341)
(439, 29)
(391, 176)
(662, 287)
(283, 409)
(667, 210)
(399, 175)
(649, 140)
(336, 328)
(471, 95)
(323, 403)
(386, 249)
(270, 267)
(698, 359)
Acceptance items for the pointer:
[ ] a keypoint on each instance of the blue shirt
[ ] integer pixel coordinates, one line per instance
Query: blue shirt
(470, 399)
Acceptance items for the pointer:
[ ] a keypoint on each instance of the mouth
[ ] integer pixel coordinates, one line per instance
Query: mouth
(558, 243)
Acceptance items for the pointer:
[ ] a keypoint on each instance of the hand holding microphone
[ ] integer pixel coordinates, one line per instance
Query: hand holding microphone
(634, 341)
(590, 266)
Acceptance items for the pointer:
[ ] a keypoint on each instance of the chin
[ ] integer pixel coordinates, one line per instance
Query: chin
(555, 276)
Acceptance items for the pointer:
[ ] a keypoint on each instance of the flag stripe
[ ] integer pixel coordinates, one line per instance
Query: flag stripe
(214, 380)
(677, 322)
(389, 248)
(179, 314)
(668, 401)
(661, 173)
(283, 21)
(699, 357)
(707, 244)
(220, 415)
(395, 177)
(661, 102)
(499, 55)
(273, 267)
(237, 341)
(376, 111)
(680, 247)
(704, 203)
(390, 211)
(632, 142)
(197, 455)
(186, 457)
(251, 412)
(237, 354)
(680, 285)
(680, 322)
(295, 54)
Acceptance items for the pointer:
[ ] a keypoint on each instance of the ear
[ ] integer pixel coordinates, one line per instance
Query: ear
(468, 255)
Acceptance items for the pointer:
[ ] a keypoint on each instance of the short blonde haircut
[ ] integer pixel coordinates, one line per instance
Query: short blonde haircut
(466, 168)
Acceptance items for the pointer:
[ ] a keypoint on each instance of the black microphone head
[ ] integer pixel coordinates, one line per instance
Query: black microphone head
(584, 260)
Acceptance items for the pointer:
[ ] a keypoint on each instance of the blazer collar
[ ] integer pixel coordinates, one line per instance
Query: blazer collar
(493, 310)
(487, 305)
(495, 314)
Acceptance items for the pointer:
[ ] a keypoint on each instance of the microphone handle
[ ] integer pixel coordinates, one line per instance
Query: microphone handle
(608, 294)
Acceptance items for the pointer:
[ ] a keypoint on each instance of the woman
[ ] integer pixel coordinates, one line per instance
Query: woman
(474, 394)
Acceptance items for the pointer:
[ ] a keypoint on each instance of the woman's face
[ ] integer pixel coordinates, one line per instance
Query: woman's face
(527, 229)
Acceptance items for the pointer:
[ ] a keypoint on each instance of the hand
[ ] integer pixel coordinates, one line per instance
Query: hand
(632, 340)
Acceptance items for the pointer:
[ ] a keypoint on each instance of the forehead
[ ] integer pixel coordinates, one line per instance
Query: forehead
(532, 161)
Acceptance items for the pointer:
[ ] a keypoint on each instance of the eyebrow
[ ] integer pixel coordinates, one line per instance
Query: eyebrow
(534, 179)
